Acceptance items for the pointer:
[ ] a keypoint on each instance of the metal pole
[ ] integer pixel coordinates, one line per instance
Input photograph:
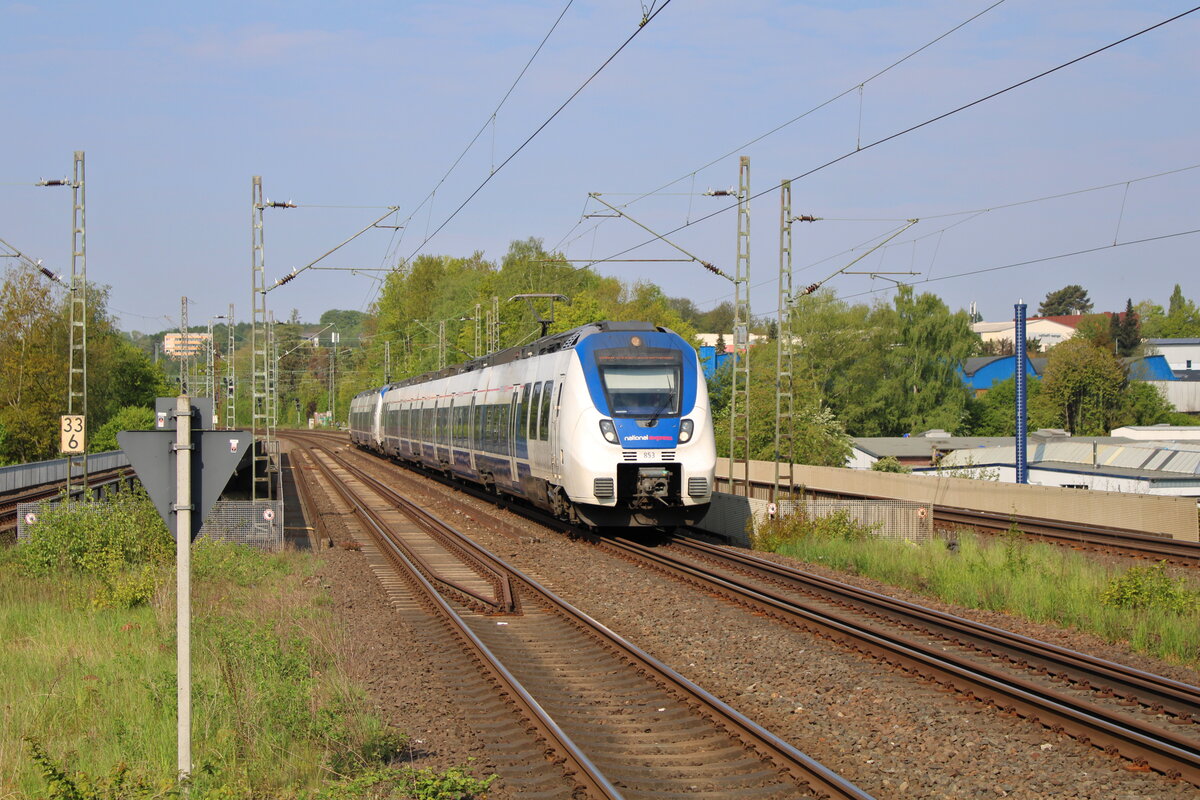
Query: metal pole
(183, 581)
(184, 345)
(261, 480)
(494, 335)
(739, 403)
(441, 344)
(210, 380)
(478, 330)
(1022, 458)
(337, 338)
(272, 387)
(387, 362)
(230, 375)
(77, 360)
(785, 446)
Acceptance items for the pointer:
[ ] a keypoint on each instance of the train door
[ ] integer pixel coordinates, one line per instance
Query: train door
(376, 434)
(514, 408)
(556, 440)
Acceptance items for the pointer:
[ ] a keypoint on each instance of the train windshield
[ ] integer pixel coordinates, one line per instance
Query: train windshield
(637, 390)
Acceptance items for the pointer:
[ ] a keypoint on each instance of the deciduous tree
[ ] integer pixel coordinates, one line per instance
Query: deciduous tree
(1083, 386)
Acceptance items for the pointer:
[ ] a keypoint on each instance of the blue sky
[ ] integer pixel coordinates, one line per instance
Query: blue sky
(346, 107)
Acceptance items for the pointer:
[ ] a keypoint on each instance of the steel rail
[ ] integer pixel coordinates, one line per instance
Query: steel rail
(582, 771)
(1171, 755)
(1118, 539)
(427, 569)
(447, 535)
(52, 489)
(795, 763)
(1144, 688)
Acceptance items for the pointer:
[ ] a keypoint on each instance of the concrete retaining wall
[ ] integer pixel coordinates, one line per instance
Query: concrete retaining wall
(1161, 516)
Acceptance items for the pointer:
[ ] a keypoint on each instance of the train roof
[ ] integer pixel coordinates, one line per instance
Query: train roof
(539, 347)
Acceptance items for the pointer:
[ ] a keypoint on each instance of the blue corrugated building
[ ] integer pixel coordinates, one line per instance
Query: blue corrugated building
(984, 372)
(711, 361)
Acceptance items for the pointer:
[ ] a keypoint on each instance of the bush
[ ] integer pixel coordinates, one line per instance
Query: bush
(130, 418)
(1151, 587)
(122, 543)
(120, 783)
(890, 464)
(838, 526)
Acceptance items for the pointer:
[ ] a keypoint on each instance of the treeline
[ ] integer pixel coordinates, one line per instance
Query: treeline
(34, 356)
(879, 369)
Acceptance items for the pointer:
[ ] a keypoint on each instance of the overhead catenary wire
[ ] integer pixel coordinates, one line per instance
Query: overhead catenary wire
(491, 118)
(968, 215)
(856, 87)
(539, 129)
(920, 125)
(1032, 261)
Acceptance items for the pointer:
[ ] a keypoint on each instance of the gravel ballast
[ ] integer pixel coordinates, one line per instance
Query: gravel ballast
(893, 735)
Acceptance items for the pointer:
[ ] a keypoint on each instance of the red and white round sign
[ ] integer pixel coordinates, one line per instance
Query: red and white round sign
(30, 518)
(268, 514)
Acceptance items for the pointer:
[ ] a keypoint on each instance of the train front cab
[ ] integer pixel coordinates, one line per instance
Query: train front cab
(643, 448)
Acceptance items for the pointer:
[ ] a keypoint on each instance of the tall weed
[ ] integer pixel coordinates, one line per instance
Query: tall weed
(1040, 582)
(1151, 588)
(121, 543)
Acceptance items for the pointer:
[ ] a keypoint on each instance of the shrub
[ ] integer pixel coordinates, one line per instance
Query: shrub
(122, 543)
(1151, 587)
(129, 418)
(772, 534)
(120, 783)
(890, 464)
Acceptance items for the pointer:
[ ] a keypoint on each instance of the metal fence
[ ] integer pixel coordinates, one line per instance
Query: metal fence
(21, 476)
(730, 515)
(257, 523)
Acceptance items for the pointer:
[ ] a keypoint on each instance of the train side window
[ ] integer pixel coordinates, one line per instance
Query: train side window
(534, 404)
(544, 414)
(480, 410)
(522, 413)
(493, 428)
(502, 430)
(494, 425)
(486, 429)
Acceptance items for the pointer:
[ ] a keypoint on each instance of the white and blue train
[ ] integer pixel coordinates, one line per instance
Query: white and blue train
(607, 425)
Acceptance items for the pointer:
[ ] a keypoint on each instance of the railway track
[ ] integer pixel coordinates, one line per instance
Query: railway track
(1108, 540)
(622, 723)
(1151, 721)
(1117, 541)
(1145, 718)
(49, 491)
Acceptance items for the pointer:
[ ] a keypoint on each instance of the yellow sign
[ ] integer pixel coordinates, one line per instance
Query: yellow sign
(73, 430)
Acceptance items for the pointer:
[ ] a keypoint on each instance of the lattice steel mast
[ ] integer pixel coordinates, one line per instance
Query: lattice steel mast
(230, 375)
(739, 401)
(478, 330)
(77, 362)
(261, 480)
(785, 427)
(185, 344)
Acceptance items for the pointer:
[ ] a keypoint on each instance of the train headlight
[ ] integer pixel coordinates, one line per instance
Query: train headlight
(609, 431)
(685, 430)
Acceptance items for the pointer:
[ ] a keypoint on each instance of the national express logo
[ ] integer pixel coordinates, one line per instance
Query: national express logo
(645, 437)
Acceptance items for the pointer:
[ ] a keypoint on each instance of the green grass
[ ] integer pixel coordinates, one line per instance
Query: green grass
(87, 674)
(1142, 606)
